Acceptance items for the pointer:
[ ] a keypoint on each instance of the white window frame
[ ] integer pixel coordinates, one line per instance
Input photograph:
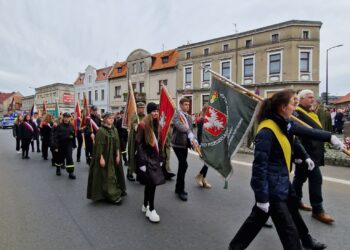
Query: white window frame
(224, 61)
(202, 69)
(253, 77)
(102, 96)
(96, 95)
(310, 64)
(184, 76)
(204, 94)
(273, 52)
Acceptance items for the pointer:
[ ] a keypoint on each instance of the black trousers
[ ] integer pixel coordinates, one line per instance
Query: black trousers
(204, 171)
(88, 149)
(282, 219)
(18, 143)
(181, 154)
(80, 145)
(64, 156)
(315, 185)
(37, 144)
(25, 146)
(45, 147)
(150, 191)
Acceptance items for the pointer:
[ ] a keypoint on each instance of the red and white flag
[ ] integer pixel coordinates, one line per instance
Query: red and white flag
(166, 113)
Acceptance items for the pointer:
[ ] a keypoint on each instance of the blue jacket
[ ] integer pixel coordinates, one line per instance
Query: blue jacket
(270, 178)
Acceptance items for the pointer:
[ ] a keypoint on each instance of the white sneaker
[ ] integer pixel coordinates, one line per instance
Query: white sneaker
(18, 152)
(144, 209)
(153, 216)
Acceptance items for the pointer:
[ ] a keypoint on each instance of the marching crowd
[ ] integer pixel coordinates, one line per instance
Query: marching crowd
(279, 143)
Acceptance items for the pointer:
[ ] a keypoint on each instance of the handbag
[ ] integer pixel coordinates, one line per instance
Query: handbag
(155, 174)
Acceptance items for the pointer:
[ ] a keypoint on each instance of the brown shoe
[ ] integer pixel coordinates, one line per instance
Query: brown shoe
(206, 184)
(323, 217)
(304, 206)
(199, 179)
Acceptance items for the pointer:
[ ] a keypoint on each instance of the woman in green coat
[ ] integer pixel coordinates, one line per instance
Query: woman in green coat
(106, 177)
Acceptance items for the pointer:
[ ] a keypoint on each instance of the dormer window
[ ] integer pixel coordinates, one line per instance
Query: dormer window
(119, 69)
(206, 51)
(188, 55)
(165, 59)
(275, 38)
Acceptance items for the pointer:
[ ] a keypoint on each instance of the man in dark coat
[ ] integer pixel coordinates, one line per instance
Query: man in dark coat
(65, 143)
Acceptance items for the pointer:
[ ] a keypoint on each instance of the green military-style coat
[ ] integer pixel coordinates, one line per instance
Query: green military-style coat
(132, 140)
(106, 183)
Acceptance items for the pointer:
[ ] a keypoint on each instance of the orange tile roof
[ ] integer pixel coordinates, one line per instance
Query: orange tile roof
(114, 72)
(4, 96)
(102, 74)
(157, 63)
(80, 79)
(343, 99)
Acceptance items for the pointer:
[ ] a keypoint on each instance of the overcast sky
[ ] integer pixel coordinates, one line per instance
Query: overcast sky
(47, 41)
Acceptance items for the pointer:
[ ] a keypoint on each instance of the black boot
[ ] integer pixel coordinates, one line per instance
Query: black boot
(310, 243)
(129, 176)
(58, 171)
(72, 176)
(23, 154)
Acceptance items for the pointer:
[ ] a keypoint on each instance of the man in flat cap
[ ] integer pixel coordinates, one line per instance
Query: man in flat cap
(135, 119)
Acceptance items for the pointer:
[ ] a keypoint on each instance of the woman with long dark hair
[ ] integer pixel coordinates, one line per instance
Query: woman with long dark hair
(149, 160)
(270, 175)
(45, 132)
(16, 133)
(26, 131)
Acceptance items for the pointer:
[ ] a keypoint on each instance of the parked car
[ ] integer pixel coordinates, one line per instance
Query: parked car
(7, 122)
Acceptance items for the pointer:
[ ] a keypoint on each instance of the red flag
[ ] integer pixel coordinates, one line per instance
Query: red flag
(166, 112)
(130, 108)
(77, 120)
(85, 113)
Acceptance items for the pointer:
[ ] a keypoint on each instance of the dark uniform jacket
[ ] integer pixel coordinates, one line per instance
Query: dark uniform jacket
(24, 132)
(64, 135)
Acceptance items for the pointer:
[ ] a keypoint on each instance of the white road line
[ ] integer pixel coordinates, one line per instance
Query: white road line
(326, 178)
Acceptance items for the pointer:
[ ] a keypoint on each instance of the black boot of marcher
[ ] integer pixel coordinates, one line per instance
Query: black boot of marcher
(309, 243)
(58, 171)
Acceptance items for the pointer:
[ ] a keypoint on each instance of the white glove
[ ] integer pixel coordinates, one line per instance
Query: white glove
(161, 163)
(190, 136)
(337, 143)
(310, 164)
(263, 206)
(298, 161)
(143, 168)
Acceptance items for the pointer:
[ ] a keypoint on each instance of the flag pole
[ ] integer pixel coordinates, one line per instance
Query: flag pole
(131, 92)
(255, 96)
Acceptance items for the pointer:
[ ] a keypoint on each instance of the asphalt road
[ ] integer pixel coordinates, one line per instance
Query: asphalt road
(39, 210)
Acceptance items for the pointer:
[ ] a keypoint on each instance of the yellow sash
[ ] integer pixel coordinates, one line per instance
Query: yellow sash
(282, 139)
(311, 115)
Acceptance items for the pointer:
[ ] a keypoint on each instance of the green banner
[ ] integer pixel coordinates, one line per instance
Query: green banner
(227, 121)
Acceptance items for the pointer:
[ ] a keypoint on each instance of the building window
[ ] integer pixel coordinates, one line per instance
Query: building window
(142, 86)
(102, 94)
(205, 99)
(188, 77)
(119, 69)
(89, 78)
(206, 75)
(206, 51)
(275, 64)
(248, 67)
(134, 68)
(248, 43)
(165, 59)
(226, 69)
(225, 47)
(305, 62)
(102, 111)
(306, 34)
(162, 82)
(142, 66)
(188, 55)
(90, 98)
(78, 96)
(117, 90)
(275, 38)
(96, 95)
(134, 87)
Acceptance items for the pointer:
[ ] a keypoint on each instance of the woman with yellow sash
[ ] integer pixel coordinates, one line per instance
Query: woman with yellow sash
(270, 181)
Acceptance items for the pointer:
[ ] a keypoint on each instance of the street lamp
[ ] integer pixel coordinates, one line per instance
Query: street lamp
(339, 45)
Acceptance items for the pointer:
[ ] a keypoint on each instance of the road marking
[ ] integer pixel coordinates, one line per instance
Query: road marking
(326, 178)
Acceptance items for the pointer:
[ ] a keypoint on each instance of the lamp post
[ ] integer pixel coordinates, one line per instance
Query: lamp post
(339, 45)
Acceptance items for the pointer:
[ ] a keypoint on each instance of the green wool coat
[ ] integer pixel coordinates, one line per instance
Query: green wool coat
(106, 183)
(131, 142)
